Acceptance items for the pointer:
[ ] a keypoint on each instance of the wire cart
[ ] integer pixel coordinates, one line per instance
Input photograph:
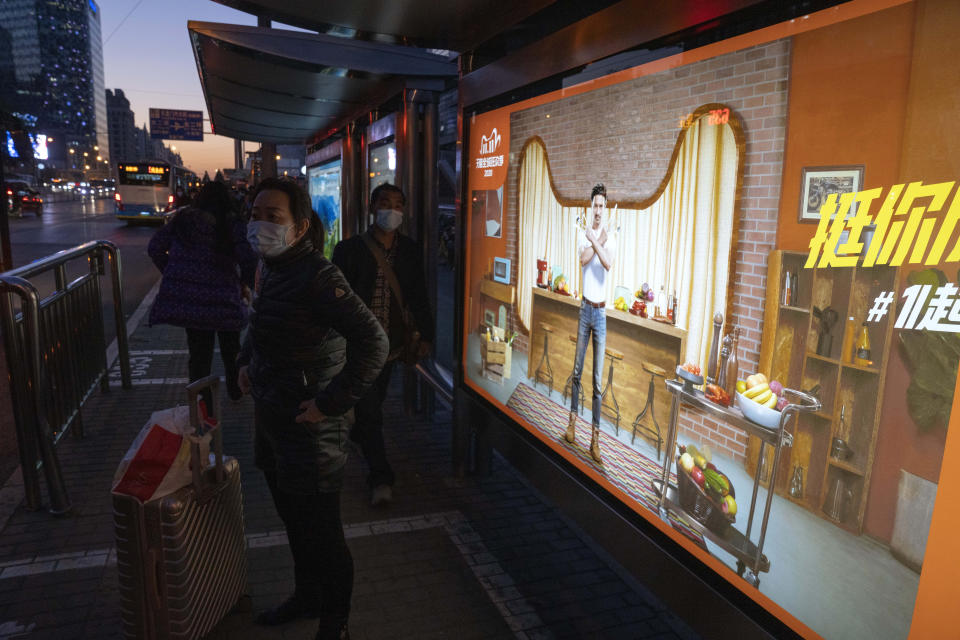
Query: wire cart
(749, 555)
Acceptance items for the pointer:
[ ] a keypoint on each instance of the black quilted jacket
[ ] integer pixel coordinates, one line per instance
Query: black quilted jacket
(310, 335)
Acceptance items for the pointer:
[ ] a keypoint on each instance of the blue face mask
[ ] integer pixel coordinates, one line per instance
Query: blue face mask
(267, 238)
(389, 219)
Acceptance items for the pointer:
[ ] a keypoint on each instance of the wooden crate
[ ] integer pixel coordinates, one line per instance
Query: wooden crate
(496, 354)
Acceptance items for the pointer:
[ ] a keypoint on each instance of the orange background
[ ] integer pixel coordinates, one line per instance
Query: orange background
(482, 250)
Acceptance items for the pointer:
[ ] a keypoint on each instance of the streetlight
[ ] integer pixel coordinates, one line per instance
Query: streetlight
(85, 154)
(278, 156)
(173, 147)
(96, 148)
(72, 151)
(99, 159)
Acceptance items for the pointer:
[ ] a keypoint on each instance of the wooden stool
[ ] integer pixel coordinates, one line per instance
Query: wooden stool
(654, 371)
(544, 372)
(611, 408)
(568, 387)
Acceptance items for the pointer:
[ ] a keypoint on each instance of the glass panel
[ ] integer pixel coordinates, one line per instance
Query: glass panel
(323, 183)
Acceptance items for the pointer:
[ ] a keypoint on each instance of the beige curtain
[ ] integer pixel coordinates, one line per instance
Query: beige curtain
(681, 241)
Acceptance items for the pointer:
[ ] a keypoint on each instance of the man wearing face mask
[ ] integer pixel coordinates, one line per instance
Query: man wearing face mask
(379, 265)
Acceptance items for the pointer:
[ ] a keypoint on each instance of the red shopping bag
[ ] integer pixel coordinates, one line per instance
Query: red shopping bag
(158, 461)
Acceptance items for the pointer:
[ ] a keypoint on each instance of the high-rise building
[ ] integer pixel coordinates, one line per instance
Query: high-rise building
(56, 57)
(151, 149)
(123, 141)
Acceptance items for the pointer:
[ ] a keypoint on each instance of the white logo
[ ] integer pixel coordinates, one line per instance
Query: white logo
(489, 144)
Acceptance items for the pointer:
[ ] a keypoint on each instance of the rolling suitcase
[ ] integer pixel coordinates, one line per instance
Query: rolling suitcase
(182, 558)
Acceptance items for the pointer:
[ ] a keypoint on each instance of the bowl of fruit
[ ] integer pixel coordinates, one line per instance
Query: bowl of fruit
(761, 400)
(705, 492)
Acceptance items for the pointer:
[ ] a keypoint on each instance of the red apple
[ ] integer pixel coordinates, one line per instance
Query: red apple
(697, 475)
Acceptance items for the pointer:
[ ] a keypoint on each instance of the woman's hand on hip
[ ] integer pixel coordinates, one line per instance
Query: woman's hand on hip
(309, 412)
(243, 379)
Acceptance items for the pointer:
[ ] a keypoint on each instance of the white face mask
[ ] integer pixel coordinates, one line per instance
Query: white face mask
(267, 238)
(389, 219)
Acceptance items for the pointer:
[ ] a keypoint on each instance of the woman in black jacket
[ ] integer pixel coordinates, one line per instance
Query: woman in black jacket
(312, 350)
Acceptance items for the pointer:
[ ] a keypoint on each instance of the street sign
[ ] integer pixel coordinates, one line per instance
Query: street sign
(176, 124)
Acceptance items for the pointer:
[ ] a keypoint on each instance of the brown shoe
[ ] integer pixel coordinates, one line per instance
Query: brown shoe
(595, 445)
(571, 434)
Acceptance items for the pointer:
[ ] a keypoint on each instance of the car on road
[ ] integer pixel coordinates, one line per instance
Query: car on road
(22, 198)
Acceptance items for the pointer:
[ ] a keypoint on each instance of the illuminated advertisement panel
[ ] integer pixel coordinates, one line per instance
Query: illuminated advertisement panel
(724, 285)
(323, 184)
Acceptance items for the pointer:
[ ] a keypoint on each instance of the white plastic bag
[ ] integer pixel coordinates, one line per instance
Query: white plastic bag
(158, 462)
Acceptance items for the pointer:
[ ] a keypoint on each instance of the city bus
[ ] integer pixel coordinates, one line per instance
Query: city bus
(148, 191)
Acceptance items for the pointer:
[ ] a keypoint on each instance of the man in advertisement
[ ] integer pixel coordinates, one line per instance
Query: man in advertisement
(596, 250)
(385, 269)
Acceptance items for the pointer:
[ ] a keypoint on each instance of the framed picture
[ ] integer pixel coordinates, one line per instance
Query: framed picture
(501, 270)
(817, 183)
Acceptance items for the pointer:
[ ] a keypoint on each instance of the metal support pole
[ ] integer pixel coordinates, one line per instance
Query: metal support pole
(123, 346)
(408, 149)
(460, 436)
(268, 150)
(6, 258)
(430, 239)
(238, 154)
(351, 196)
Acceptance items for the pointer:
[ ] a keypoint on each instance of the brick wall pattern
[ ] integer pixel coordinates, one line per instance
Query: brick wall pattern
(623, 135)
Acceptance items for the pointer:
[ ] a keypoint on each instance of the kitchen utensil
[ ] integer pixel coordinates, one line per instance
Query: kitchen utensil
(796, 484)
(840, 449)
(542, 279)
(722, 368)
(689, 380)
(836, 505)
(714, 348)
(828, 318)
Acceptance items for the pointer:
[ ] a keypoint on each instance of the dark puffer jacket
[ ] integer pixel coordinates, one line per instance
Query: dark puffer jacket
(201, 287)
(310, 335)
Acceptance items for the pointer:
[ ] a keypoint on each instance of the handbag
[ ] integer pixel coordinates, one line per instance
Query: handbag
(409, 352)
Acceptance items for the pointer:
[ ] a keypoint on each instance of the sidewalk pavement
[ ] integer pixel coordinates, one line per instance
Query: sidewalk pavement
(449, 558)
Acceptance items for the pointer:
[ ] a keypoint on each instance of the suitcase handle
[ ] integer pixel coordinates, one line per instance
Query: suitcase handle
(193, 392)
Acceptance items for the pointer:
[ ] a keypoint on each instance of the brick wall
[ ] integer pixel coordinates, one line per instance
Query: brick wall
(623, 136)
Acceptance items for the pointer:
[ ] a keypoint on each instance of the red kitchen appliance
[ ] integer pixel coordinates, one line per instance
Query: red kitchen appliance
(542, 279)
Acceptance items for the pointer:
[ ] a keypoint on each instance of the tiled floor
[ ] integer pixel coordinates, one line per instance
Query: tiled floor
(457, 558)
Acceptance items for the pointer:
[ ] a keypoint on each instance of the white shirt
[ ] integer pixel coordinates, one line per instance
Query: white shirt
(594, 275)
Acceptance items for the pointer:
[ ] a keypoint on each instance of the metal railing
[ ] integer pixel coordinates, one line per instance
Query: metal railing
(56, 356)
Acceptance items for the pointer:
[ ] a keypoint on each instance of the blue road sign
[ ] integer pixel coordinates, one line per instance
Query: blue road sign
(176, 124)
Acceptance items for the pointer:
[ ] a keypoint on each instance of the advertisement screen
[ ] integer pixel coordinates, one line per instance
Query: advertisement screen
(724, 286)
(323, 184)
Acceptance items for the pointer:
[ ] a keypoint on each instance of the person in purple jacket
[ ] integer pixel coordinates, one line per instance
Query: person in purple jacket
(208, 270)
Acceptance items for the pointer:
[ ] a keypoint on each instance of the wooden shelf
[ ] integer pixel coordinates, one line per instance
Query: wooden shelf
(803, 502)
(857, 367)
(846, 466)
(498, 291)
(790, 334)
(815, 356)
(786, 307)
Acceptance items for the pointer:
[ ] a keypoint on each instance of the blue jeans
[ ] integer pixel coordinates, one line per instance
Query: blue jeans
(592, 321)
